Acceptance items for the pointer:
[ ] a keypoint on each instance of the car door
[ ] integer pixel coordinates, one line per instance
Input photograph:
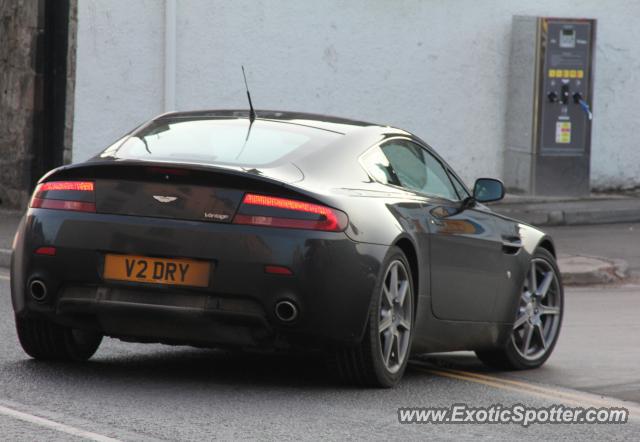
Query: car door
(465, 247)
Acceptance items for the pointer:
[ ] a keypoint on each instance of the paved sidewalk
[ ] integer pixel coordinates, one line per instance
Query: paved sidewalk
(555, 211)
(9, 221)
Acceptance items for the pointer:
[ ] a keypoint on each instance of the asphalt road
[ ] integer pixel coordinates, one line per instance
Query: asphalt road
(147, 392)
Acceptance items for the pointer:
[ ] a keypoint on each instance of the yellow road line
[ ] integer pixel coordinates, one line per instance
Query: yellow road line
(499, 385)
(569, 397)
(577, 396)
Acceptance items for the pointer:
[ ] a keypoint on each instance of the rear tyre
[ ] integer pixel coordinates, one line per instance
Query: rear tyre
(380, 359)
(537, 319)
(45, 340)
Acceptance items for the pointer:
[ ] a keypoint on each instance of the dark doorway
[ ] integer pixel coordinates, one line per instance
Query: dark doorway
(51, 92)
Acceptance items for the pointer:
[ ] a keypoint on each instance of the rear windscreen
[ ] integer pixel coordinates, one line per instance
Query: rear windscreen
(226, 141)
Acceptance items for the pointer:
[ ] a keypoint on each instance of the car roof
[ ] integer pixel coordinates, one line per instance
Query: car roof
(357, 136)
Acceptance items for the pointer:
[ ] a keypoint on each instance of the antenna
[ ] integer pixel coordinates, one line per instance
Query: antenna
(252, 113)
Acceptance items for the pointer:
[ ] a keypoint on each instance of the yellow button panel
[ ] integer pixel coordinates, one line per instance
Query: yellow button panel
(565, 73)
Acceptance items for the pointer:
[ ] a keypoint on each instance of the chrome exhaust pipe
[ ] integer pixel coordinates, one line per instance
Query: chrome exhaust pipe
(286, 311)
(38, 290)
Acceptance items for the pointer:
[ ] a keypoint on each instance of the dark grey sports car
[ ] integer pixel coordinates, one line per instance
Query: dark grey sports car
(288, 231)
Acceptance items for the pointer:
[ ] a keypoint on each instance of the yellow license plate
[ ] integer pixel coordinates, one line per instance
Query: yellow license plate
(173, 271)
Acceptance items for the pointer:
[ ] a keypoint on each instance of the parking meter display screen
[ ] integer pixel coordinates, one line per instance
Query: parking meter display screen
(568, 38)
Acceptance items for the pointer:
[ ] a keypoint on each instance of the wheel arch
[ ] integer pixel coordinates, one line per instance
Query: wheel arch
(409, 249)
(547, 244)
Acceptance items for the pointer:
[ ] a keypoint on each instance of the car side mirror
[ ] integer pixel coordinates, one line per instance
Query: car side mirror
(488, 189)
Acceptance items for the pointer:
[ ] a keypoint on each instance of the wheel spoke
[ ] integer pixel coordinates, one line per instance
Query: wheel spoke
(528, 334)
(388, 296)
(402, 348)
(540, 331)
(385, 323)
(396, 346)
(404, 324)
(526, 296)
(533, 279)
(402, 293)
(544, 286)
(520, 321)
(393, 283)
(549, 310)
(388, 344)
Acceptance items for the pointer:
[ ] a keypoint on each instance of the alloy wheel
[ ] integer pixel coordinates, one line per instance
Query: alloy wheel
(396, 315)
(538, 318)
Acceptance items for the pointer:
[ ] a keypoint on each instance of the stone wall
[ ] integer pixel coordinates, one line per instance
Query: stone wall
(22, 90)
(18, 35)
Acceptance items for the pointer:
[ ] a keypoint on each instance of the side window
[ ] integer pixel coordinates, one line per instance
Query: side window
(462, 191)
(438, 183)
(406, 164)
(378, 166)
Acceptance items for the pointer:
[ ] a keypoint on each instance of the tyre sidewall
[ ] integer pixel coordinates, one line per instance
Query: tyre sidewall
(80, 344)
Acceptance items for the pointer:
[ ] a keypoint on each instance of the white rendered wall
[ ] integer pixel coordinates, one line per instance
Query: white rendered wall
(119, 70)
(436, 68)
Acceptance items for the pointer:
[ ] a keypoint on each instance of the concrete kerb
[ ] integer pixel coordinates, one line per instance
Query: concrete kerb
(590, 270)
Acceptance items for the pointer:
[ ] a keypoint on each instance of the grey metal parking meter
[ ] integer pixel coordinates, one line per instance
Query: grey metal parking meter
(550, 96)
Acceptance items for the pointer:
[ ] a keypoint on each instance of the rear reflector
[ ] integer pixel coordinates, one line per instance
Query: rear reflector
(278, 270)
(48, 251)
(65, 195)
(79, 206)
(263, 210)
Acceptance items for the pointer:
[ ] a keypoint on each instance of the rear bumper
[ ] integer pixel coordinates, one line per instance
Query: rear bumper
(333, 279)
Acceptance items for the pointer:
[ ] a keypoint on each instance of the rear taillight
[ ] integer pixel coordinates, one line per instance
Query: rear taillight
(263, 210)
(65, 195)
